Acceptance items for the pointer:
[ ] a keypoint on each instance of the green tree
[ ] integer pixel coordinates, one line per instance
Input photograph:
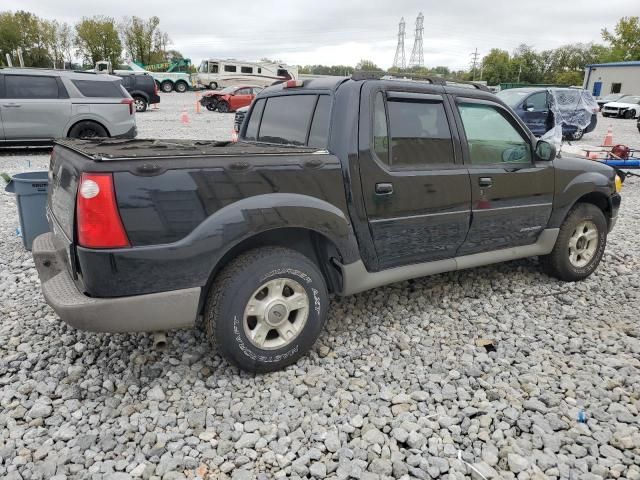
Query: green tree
(97, 39)
(625, 39)
(367, 66)
(143, 41)
(27, 32)
(495, 67)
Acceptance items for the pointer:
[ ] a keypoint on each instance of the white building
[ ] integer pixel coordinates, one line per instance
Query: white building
(602, 79)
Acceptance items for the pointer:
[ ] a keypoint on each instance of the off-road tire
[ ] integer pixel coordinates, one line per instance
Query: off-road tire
(235, 285)
(557, 263)
(87, 129)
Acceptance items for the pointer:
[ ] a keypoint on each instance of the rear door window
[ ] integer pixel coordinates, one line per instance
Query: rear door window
(286, 119)
(99, 88)
(31, 86)
(319, 132)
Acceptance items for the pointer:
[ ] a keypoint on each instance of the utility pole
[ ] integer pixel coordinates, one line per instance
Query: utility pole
(474, 62)
(399, 60)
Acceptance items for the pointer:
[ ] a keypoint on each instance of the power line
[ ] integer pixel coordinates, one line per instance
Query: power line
(399, 60)
(417, 54)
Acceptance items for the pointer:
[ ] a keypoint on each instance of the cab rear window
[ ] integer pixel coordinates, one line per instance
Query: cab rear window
(291, 120)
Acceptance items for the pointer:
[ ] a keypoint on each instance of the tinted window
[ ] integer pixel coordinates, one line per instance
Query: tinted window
(126, 82)
(30, 86)
(490, 136)
(246, 69)
(380, 134)
(537, 101)
(419, 133)
(243, 91)
(229, 68)
(97, 88)
(254, 121)
(286, 119)
(144, 80)
(319, 133)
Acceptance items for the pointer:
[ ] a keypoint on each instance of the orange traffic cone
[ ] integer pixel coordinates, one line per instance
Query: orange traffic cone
(184, 116)
(198, 102)
(608, 138)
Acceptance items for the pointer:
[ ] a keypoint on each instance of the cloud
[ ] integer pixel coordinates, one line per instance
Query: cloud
(343, 32)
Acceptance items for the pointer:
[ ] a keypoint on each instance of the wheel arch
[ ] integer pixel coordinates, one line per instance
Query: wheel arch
(92, 120)
(311, 226)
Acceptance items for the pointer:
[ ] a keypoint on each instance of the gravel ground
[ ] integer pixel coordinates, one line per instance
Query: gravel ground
(461, 375)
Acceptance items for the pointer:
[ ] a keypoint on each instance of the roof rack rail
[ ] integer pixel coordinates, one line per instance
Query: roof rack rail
(359, 75)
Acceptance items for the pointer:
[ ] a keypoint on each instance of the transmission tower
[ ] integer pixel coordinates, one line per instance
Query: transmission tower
(399, 60)
(474, 62)
(417, 54)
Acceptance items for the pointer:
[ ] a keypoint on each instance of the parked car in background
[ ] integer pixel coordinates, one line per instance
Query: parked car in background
(608, 98)
(230, 99)
(414, 179)
(239, 117)
(625, 107)
(534, 106)
(38, 106)
(142, 88)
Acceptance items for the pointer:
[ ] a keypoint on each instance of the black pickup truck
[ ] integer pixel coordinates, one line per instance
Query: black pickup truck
(337, 185)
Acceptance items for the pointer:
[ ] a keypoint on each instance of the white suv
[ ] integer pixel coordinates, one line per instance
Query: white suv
(38, 106)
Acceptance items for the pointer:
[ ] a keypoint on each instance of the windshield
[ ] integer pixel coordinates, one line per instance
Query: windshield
(512, 97)
(203, 67)
(629, 99)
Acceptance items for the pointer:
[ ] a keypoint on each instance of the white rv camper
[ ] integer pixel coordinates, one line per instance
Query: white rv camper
(216, 73)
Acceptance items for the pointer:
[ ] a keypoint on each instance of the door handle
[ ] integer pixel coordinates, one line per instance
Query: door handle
(485, 182)
(11, 105)
(384, 188)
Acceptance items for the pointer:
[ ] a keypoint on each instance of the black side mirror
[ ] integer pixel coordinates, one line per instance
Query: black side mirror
(545, 151)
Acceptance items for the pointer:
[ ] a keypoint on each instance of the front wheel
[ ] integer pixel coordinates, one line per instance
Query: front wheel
(224, 107)
(579, 246)
(266, 309)
(213, 86)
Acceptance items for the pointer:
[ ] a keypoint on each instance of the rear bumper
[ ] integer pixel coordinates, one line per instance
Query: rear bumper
(140, 313)
(131, 133)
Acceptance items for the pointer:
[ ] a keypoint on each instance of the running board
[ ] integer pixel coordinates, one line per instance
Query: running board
(356, 278)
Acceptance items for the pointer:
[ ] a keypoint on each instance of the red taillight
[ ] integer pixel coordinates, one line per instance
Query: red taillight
(155, 88)
(293, 83)
(128, 101)
(99, 223)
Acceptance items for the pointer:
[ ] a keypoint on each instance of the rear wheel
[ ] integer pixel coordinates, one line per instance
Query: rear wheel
(87, 129)
(140, 103)
(223, 106)
(213, 86)
(266, 309)
(579, 246)
(167, 86)
(181, 87)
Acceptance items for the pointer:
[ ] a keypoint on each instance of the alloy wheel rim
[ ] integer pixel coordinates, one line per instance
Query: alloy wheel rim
(583, 244)
(139, 104)
(276, 314)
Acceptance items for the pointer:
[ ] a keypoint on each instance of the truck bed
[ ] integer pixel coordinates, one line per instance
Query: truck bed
(128, 149)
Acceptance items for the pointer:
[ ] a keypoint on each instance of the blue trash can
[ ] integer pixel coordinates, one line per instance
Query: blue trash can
(31, 195)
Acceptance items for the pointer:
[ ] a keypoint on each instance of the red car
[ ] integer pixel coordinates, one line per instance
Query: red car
(230, 99)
